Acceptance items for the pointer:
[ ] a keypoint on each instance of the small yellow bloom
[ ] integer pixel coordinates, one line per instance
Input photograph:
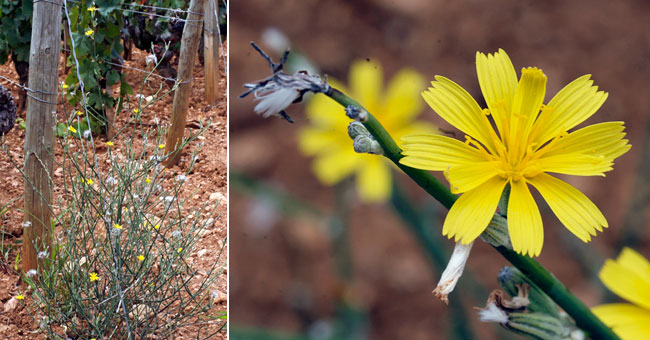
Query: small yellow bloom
(157, 226)
(89, 181)
(117, 226)
(109, 143)
(161, 146)
(141, 257)
(147, 180)
(179, 250)
(396, 106)
(628, 277)
(136, 111)
(20, 297)
(89, 32)
(79, 113)
(92, 9)
(64, 86)
(94, 277)
(516, 141)
(71, 129)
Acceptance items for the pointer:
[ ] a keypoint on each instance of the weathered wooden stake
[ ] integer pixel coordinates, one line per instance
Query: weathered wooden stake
(41, 119)
(211, 52)
(189, 45)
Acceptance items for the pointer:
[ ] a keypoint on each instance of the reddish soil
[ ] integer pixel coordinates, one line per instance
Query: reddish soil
(283, 273)
(206, 183)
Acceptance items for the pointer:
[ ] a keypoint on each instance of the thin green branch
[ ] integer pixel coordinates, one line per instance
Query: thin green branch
(580, 313)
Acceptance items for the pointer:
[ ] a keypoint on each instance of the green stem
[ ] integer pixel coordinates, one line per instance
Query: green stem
(580, 313)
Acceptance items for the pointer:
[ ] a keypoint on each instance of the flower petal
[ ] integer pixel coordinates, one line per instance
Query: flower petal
(438, 153)
(313, 140)
(603, 140)
(366, 79)
(626, 283)
(636, 262)
(498, 81)
(374, 182)
(402, 99)
(472, 212)
(466, 177)
(571, 106)
(574, 164)
(629, 322)
(332, 167)
(572, 208)
(524, 220)
(453, 104)
(526, 104)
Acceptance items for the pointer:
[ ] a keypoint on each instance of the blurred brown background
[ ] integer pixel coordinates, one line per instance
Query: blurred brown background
(286, 267)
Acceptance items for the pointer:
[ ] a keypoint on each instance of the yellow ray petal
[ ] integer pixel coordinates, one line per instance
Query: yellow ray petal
(435, 152)
(366, 79)
(626, 283)
(634, 261)
(374, 180)
(574, 164)
(498, 81)
(526, 104)
(599, 140)
(571, 106)
(402, 101)
(472, 212)
(332, 167)
(417, 127)
(572, 208)
(312, 140)
(453, 104)
(524, 220)
(466, 177)
(616, 314)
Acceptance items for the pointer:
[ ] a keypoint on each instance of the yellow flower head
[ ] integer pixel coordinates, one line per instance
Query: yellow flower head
(530, 140)
(89, 32)
(71, 129)
(157, 226)
(94, 277)
(64, 86)
(147, 180)
(92, 9)
(141, 257)
(20, 297)
(179, 250)
(161, 146)
(136, 110)
(79, 113)
(89, 181)
(109, 143)
(326, 137)
(117, 226)
(629, 277)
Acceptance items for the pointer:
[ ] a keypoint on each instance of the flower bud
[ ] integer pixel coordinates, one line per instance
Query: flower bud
(357, 129)
(511, 279)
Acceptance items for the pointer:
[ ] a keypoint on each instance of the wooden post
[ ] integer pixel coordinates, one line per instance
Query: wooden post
(189, 45)
(41, 119)
(211, 52)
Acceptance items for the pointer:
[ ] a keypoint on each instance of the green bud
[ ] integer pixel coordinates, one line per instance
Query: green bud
(497, 233)
(539, 326)
(357, 129)
(511, 279)
(365, 144)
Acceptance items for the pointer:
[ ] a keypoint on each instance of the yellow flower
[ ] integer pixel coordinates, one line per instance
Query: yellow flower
(109, 143)
(157, 226)
(629, 277)
(117, 226)
(141, 257)
(73, 130)
(89, 32)
(161, 146)
(94, 277)
(89, 181)
(326, 137)
(91, 9)
(530, 140)
(147, 180)
(64, 86)
(79, 113)
(20, 297)
(179, 250)
(136, 110)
